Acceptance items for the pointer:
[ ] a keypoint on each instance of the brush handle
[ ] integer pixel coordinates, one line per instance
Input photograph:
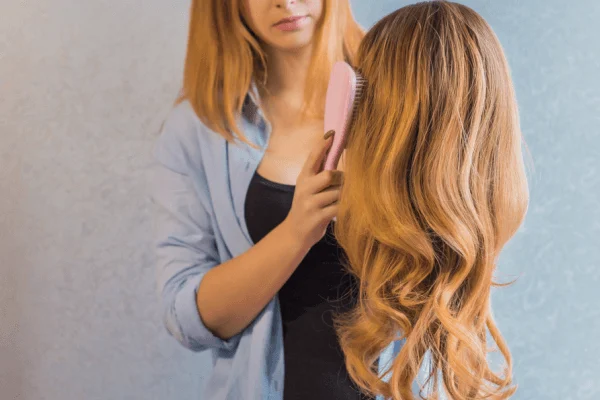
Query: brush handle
(339, 103)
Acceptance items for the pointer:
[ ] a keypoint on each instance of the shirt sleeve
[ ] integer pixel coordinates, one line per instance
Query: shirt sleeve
(184, 243)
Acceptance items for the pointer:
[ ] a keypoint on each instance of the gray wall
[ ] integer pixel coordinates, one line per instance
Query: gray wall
(84, 86)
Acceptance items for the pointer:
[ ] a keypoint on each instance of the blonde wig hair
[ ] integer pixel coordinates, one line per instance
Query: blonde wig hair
(224, 57)
(435, 187)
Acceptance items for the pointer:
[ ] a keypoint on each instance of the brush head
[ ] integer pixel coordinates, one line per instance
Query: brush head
(343, 94)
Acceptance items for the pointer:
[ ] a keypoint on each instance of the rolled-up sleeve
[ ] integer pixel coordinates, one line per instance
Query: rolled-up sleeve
(184, 243)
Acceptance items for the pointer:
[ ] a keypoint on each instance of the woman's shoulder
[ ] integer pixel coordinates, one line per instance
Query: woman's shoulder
(182, 135)
(181, 122)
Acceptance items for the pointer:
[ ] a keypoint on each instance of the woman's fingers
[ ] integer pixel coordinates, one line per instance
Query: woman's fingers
(314, 162)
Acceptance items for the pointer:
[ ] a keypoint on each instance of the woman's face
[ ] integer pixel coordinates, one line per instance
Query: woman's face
(283, 24)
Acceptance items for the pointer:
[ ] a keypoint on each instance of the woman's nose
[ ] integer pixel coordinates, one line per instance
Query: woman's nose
(285, 3)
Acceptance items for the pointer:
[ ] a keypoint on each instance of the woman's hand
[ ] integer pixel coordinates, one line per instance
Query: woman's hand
(316, 197)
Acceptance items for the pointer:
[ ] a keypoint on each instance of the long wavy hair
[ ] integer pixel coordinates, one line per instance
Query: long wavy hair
(435, 187)
(224, 57)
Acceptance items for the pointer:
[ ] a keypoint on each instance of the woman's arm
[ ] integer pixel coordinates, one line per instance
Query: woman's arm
(233, 294)
(207, 303)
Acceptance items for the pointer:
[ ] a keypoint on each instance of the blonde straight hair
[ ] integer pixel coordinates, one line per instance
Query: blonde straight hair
(224, 57)
(435, 187)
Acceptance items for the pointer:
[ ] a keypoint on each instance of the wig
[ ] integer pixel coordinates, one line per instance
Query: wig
(434, 187)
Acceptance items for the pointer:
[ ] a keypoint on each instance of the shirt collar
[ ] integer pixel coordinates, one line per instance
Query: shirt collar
(251, 108)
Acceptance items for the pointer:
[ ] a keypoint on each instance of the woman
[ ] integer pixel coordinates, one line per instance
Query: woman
(435, 186)
(244, 266)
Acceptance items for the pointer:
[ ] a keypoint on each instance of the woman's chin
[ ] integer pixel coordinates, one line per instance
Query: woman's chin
(291, 41)
(291, 45)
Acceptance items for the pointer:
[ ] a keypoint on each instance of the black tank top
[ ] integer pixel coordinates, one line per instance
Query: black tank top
(318, 288)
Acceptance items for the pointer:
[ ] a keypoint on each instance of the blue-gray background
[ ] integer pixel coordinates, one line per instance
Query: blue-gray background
(84, 87)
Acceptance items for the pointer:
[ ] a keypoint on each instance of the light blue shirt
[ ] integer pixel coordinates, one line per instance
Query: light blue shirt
(199, 185)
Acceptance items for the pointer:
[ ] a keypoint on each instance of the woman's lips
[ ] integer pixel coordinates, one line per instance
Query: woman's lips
(292, 23)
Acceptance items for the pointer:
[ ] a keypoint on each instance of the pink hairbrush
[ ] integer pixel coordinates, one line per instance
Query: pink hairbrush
(343, 95)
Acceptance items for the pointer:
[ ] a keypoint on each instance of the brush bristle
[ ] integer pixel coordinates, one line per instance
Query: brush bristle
(358, 92)
(360, 84)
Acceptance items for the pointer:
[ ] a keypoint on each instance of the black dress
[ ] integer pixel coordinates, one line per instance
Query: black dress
(319, 287)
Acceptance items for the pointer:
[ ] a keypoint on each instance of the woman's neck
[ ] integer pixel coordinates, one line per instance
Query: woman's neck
(286, 79)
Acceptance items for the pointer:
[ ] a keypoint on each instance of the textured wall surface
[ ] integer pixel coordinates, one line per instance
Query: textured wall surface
(84, 86)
